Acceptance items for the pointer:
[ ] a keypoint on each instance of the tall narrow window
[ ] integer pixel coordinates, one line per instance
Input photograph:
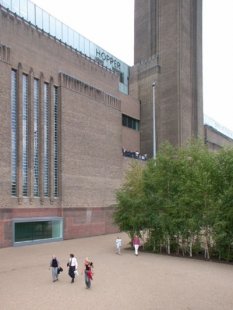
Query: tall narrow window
(25, 134)
(55, 142)
(46, 141)
(13, 133)
(36, 138)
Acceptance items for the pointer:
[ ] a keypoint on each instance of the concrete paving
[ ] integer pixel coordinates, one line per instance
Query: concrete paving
(125, 282)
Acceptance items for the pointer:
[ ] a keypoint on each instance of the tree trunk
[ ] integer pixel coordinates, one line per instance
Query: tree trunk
(154, 246)
(182, 246)
(168, 246)
(207, 252)
(191, 247)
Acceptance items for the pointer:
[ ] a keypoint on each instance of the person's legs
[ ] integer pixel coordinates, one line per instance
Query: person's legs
(136, 246)
(71, 273)
(89, 283)
(86, 279)
(54, 273)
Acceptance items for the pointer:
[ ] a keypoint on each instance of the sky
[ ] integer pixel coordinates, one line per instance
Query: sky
(110, 24)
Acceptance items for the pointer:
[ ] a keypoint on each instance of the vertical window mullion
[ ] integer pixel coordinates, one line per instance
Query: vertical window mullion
(55, 142)
(25, 135)
(46, 141)
(36, 138)
(14, 124)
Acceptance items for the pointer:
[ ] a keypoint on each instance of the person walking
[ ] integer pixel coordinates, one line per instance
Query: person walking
(73, 266)
(118, 245)
(88, 273)
(136, 244)
(54, 264)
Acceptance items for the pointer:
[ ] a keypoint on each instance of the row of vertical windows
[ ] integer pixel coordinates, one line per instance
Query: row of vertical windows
(40, 139)
(130, 122)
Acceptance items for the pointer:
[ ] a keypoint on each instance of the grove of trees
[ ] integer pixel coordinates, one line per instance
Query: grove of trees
(181, 202)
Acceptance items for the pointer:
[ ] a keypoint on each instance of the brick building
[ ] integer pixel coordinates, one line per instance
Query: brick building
(61, 129)
(68, 108)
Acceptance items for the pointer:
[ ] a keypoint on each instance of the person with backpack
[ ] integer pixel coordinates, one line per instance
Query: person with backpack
(54, 264)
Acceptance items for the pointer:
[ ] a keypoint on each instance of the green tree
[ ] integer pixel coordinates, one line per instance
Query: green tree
(160, 190)
(196, 195)
(182, 200)
(129, 214)
(223, 227)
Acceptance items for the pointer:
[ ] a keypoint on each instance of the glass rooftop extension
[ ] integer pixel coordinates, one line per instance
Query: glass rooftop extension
(49, 24)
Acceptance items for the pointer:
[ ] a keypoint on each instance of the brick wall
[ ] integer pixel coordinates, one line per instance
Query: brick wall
(90, 132)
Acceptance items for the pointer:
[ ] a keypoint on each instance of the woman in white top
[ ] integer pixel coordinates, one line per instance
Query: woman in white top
(73, 266)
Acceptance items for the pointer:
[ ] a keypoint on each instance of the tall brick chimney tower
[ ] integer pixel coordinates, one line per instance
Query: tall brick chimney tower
(168, 52)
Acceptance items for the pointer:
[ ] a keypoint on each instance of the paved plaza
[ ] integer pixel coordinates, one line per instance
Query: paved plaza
(125, 282)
